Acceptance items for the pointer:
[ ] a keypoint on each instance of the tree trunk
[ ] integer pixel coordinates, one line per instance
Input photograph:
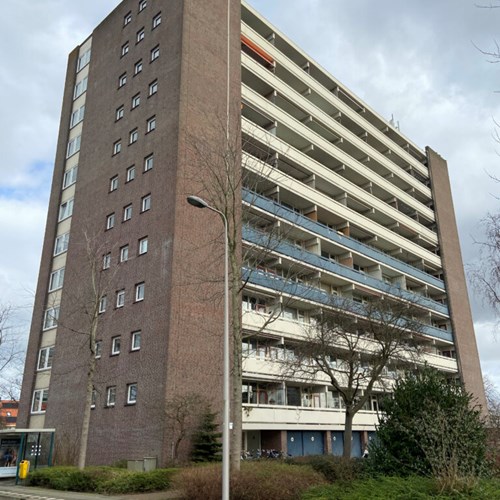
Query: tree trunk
(349, 417)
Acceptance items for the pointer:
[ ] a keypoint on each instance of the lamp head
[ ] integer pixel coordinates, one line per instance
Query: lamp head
(197, 202)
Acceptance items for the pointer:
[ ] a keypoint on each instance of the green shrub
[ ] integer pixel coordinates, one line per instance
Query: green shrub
(333, 468)
(101, 479)
(260, 480)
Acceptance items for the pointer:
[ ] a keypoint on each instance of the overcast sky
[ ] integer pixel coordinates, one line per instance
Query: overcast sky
(415, 60)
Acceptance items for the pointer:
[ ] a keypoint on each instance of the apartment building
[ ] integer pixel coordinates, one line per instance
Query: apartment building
(363, 212)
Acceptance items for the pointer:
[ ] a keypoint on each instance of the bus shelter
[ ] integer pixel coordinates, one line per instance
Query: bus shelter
(16, 445)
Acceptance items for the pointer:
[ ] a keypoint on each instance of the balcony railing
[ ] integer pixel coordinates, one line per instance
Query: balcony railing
(324, 231)
(282, 247)
(313, 294)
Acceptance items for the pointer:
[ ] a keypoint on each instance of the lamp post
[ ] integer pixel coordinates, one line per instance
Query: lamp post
(200, 203)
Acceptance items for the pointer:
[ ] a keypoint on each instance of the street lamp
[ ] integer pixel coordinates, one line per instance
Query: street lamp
(200, 203)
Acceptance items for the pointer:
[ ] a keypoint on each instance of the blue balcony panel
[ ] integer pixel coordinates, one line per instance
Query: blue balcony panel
(283, 247)
(279, 210)
(312, 294)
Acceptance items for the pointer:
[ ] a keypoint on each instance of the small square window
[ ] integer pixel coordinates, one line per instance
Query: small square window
(106, 261)
(155, 53)
(110, 221)
(143, 245)
(153, 87)
(130, 173)
(122, 80)
(133, 136)
(115, 346)
(131, 394)
(157, 20)
(127, 18)
(146, 203)
(124, 253)
(151, 124)
(135, 343)
(98, 349)
(125, 48)
(103, 302)
(120, 298)
(139, 292)
(113, 183)
(142, 5)
(119, 113)
(138, 67)
(127, 212)
(140, 35)
(148, 163)
(117, 147)
(111, 396)
(136, 100)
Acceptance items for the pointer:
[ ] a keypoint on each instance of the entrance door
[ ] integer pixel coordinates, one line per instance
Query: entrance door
(294, 442)
(313, 442)
(337, 443)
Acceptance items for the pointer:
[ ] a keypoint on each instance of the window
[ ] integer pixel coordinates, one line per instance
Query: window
(83, 60)
(66, 209)
(80, 88)
(131, 394)
(120, 298)
(73, 146)
(153, 87)
(115, 346)
(130, 173)
(39, 403)
(113, 183)
(143, 245)
(124, 253)
(142, 5)
(146, 203)
(45, 356)
(50, 318)
(155, 53)
(98, 349)
(119, 113)
(106, 261)
(56, 279)
(110, 221)
(135, 343)
(139, 292)
(127, 212)
(157, 20)
(117, 147)
(77, 116)
(103, 302)
(127, 18)
(148, 163)
(136, 100)
(94, 398)
(111, 396)
(151, 124)
(125, 48)
(122, 80)
(140, 35)
(70, 177)
(138, 67)
(61, 244)
(133, 136)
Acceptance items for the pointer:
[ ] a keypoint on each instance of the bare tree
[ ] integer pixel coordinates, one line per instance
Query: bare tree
(11, 356)
(353, 345)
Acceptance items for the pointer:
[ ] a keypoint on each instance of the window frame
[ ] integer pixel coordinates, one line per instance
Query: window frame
(117, 147)
(116, 345)
(50, 318)
(110, 396)
(133, 136)
(139, 37)
(77, 116)
(64, 238)
(73, 146)
(127, 18)
(98, 349)
(113, 183)
(149, 160)
(138, 67)
(122, 80)
(83, 60)
(142, 5)
(130, 389)
(143, 241)
(153, 88)
(124, 253)
(106, 261)
(69, 177)
(137, 334)
(125, 49)
(151, 124)
(120, 298)
(146, 203)
(156, 20)
(155, 53)
(103, 303)
(42, 399)
(119, 113)
(56, 280)
(80, 88)
(66, 209)
(130, 173)
(127, 212)
(48, 356)
(136, 101)
(110, 221)
(139, 291)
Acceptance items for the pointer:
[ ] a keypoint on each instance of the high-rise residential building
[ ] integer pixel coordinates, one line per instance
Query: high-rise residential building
(167, 99)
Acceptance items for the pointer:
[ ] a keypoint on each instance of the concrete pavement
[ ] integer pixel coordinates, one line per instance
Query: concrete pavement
(8, 490)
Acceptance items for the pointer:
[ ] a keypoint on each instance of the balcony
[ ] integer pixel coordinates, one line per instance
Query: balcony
(267, 241)
(315, 295)
(278, 210)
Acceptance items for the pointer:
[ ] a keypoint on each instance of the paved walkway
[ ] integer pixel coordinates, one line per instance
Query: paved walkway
(10, 491)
